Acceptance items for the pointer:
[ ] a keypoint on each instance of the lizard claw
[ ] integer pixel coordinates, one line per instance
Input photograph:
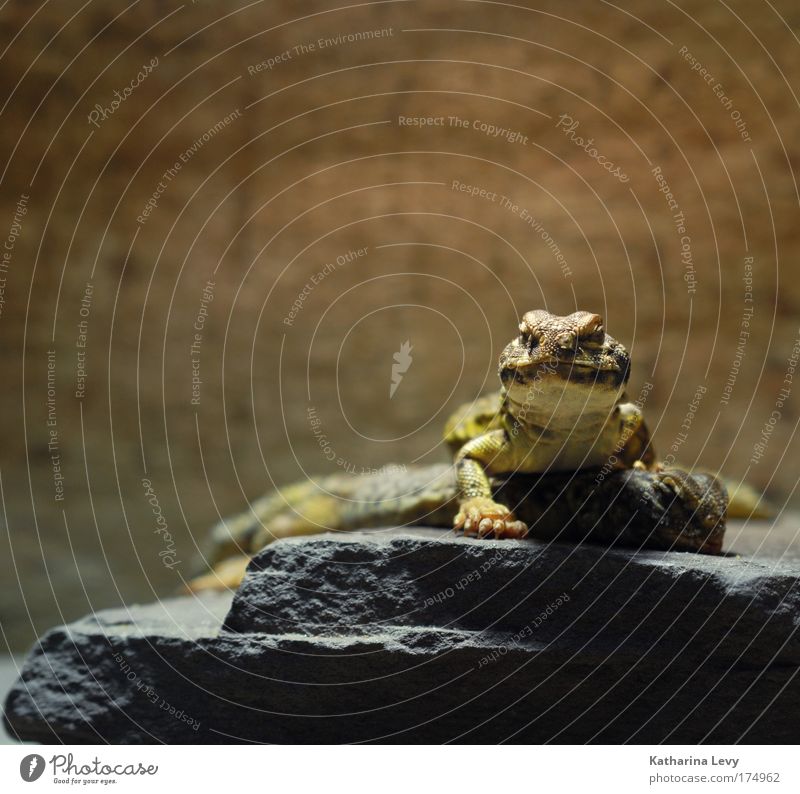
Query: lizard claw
(479, 517)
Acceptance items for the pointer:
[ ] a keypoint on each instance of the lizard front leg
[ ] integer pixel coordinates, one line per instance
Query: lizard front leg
(478, 514)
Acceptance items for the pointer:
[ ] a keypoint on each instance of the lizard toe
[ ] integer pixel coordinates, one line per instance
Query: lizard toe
(485, 527)
(485, 518)
(519, 529)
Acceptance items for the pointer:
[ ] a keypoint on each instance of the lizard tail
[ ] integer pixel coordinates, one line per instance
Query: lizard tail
(299, 509)
(744, 501)
(394, 497)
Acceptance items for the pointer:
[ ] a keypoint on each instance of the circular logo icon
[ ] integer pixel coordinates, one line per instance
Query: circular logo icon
(31, 767)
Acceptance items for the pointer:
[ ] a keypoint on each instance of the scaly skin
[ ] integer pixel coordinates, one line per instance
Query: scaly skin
(669, 510)
(562, 407)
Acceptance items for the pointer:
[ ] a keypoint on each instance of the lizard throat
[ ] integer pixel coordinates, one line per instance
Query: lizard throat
(561, 406)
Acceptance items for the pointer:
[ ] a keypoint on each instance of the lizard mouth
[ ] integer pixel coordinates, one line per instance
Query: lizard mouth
(563, 375)
(564, 364)
(589, 364)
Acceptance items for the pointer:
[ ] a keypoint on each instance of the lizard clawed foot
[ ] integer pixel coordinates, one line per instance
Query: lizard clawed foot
(480, 517)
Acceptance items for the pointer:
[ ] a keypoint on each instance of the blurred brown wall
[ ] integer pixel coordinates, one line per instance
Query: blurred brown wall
(306, 159)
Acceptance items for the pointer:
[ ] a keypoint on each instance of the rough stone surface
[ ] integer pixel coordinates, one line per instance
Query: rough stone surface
(416, 636)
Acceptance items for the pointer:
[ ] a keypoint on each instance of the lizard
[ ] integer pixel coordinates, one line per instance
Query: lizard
(562, 406)
(667, 509)
(559, 435)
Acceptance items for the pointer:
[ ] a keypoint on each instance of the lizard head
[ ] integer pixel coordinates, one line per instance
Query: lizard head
(574, 349)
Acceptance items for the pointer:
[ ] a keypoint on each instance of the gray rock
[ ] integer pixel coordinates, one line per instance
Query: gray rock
(418, 636)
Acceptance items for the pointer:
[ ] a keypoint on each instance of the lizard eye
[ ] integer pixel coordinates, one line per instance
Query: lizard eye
(527, 338)
(597, 336)
(566, 340)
